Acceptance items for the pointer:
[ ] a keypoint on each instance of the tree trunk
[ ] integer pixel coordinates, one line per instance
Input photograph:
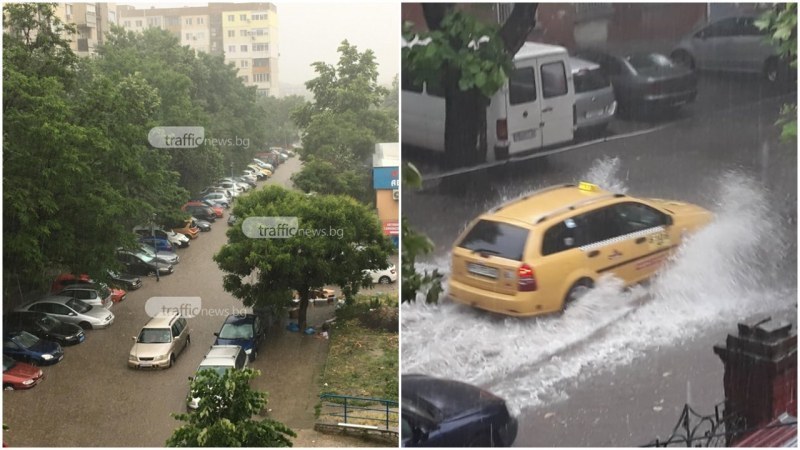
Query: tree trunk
(465, 126)
(301, 313)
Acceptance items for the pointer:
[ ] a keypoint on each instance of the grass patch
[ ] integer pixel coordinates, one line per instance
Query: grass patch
(363, 360)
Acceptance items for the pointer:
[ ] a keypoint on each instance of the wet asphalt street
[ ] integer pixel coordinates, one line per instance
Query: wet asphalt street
(92, 398)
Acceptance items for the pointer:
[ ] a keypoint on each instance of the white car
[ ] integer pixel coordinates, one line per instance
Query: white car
(385, 276)
(219, 359)
(264, 165)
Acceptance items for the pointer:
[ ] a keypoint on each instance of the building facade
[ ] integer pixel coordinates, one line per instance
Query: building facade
(386, 182)
(245, 33)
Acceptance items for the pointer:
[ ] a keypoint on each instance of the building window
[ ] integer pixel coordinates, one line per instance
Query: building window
(230, 18)
(172, 21)
(260, 32)
(188, 21)
(243, 48)
(261, 77)
(127, 24)
(112, 16)
(260, 47)
(245, 63)
(260, 62)
(200, 21)
(69, 10)
(262, 92)
(243, 33)
(231, 49)
(231, 33)
(243, 17)
(259, 16)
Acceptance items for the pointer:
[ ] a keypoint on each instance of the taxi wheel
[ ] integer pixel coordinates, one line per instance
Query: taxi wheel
(578, 290)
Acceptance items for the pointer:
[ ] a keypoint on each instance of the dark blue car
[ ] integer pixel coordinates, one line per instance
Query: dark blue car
(163, 245)
(26, 347)
(445, 413)
(244, 330)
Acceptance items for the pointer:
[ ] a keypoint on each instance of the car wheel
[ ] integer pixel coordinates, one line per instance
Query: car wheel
(8, 387)
(384, 280)
(578, 290)
(254, 355)
(683, 58)
(171, 361)
(85, 325)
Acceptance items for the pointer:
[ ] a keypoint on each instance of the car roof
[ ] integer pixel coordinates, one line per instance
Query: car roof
(451, 398)
(579, 64)
(534, 207)
(162, 320)
(62, 299)
(221, 355)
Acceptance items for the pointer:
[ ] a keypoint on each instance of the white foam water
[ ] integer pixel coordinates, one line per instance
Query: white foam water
(723, 273)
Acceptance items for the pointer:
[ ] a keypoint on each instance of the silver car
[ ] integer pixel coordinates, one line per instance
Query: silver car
(91, 294)
(731, 44)
(72, 310)
(595, 104)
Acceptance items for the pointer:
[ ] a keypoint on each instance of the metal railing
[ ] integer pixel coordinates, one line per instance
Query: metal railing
(360, 412)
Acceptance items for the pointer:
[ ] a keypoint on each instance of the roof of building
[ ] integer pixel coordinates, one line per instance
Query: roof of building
(781, 432)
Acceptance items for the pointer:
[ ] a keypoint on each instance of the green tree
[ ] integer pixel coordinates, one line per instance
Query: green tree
(470, 61)
(264, 272)
(781, 23)
(225, 416)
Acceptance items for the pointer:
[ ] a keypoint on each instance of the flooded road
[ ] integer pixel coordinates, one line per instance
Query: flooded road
(618, 365)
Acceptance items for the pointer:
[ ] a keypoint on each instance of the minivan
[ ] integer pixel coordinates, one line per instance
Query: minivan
(160, 342)
(534, 109)
(595, 104)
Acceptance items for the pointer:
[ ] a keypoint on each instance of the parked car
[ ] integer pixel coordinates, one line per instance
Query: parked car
(160, 342)
(540, 252)
(438, 412)
(143, 263)
(645, 82)
(217, 208)
(246, 180)
(26, 347)
(43, 326)
(226, 197)
(203, 225)
(72, 310)
(171, 258)
(385, 276)
(244, 330)
(91, 294)
(177, 240)
(67, 279)
(732, 44)
(595, 104)
(19, 375)
(218, 198)
(264, 171)
(264, 164)
(255, 172)
(186, 228)
(161, 244)
(231, 219)
(200, 211)
(130, 282)
(219, 359)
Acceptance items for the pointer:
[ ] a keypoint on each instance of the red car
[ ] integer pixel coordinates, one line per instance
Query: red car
(218, 210)
(68, 279)
(19, 375)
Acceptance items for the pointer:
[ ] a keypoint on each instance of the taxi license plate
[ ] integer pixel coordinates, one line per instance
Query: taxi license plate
(524, 135)
(478, 269)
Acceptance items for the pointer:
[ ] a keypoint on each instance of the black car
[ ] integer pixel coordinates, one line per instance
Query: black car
(437, 412)
(125, 280)
(204, 225)
(201, 212)
(645, 82)
(44, 327)
(143, 264)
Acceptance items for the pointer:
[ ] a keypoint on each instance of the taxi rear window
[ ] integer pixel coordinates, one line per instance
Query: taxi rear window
(497, 239)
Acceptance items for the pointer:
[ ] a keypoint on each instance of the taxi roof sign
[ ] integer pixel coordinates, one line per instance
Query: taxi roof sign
(589, 187)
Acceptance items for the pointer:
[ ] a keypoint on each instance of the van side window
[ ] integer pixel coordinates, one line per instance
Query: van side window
(554, 79)
(522, 86)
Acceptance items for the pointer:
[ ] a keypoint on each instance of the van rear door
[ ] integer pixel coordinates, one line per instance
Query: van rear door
(558, 96)
(524, 113)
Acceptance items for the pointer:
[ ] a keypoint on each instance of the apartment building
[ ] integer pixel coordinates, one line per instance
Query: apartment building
(245, 33)
(92, 21)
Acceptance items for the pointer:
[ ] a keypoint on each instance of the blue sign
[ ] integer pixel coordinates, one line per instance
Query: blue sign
(386, 178)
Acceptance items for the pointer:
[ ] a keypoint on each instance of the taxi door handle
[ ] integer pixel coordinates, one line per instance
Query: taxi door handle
(641, 240)
(593, 253)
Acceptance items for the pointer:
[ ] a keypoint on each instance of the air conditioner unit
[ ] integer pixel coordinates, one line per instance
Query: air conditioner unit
(395, 194)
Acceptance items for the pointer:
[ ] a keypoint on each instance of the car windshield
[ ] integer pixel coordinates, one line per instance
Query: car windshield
(233, 331)
(219, 369)
(48, 323)
(26, 339)
(8, 363)
(78, 306)
(145, 255)
(643, 61)
(155, 336)
(590, 80)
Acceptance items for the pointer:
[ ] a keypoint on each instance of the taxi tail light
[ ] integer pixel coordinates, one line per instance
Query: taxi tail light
(502, 130)
(526, 278)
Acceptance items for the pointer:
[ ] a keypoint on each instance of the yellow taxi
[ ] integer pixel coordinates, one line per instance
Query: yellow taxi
(266, 172)
(535, 254)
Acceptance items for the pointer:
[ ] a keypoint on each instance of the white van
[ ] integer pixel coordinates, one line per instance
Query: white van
(534, 109)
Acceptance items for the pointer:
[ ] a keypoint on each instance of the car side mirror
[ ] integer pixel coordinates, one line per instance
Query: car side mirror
(216, 334)
(134, 338)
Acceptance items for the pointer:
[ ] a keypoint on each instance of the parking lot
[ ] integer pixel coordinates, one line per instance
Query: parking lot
(92, 398)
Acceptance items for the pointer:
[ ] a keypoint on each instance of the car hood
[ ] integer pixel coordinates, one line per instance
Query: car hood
(246, 344)
(452, 399)
(44, 346)
(141, 350)
(98, 312)
(66, 329)
(23, 371)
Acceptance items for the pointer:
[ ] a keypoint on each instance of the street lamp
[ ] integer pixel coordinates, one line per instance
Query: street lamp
(155, 245)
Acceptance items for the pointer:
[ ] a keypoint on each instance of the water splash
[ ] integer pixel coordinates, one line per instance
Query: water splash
(604, 173)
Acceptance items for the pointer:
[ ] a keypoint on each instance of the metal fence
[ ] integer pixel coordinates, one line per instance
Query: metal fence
(359, 412)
